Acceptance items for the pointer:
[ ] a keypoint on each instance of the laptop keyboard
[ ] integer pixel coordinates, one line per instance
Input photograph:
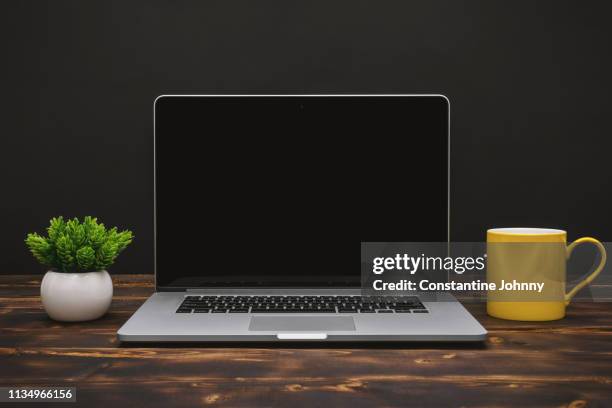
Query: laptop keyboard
(300, 304)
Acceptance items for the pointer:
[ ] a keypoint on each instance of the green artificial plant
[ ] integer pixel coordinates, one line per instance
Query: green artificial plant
(74, 246)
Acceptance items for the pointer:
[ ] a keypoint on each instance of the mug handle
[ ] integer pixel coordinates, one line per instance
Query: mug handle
(588, 279)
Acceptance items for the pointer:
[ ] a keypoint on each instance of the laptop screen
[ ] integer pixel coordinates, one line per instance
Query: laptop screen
(279, 191)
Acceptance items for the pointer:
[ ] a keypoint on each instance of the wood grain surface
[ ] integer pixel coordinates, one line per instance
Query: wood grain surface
(567, 363)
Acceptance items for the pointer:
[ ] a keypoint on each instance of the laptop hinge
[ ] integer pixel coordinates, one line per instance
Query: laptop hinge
(275, 291)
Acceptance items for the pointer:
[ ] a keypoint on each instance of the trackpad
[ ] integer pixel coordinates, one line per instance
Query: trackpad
(301, 323)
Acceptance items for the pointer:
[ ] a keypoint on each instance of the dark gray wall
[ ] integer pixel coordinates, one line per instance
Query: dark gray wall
(529, 84)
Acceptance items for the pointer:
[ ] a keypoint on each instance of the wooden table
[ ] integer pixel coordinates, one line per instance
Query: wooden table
(556, 364)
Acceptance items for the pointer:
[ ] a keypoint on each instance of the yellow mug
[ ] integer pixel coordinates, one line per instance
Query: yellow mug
(537, 256)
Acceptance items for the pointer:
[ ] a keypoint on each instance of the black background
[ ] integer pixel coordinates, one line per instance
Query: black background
(529, 84)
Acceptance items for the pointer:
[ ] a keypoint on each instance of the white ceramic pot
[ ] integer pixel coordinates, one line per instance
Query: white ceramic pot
(76, 297)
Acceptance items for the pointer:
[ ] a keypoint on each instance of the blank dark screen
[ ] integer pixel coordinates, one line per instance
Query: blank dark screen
(281, 191)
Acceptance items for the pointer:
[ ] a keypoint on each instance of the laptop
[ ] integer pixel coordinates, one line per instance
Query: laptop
(262, 203)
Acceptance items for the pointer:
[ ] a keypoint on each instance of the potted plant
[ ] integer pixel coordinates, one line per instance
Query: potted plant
(77, 287)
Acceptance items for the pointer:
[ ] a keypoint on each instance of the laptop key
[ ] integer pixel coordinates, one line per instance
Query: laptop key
(201, 310)
(293, 310)
(183, 311)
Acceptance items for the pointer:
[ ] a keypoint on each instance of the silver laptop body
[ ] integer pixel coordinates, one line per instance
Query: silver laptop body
(197, 300)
